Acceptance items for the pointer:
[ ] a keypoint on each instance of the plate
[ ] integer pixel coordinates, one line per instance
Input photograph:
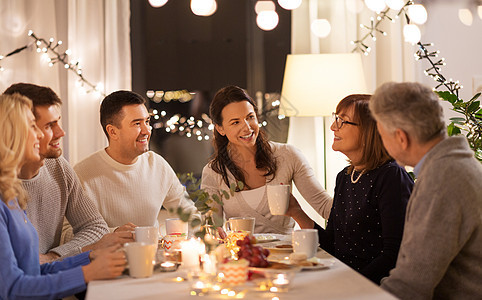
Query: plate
(274, 266)
(318, 263)
(279, 246)
(268, 237)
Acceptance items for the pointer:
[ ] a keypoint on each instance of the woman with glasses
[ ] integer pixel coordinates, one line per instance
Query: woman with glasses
(366, 222)
(243, 153)
(21, 274)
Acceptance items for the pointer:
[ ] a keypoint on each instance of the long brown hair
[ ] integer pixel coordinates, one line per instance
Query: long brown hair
(221, 162)
(374, 153)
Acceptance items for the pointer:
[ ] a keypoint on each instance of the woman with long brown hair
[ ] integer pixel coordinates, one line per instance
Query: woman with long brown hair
(365, 227)
(243, 153)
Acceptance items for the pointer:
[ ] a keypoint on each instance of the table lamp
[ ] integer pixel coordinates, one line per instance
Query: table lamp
(313, 85)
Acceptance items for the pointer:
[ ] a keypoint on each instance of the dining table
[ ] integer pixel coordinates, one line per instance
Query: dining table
(336, 281)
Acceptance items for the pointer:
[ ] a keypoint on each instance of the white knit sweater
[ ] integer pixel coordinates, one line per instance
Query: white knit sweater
(132, 193)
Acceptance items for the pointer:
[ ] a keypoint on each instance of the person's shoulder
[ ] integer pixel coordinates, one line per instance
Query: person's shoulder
(152, 158)
(88, 162)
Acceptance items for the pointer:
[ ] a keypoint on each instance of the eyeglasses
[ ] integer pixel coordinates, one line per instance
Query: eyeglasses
(339, 122)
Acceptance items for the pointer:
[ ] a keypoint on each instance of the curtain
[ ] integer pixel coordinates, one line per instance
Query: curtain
(98, 34)
(391, 59)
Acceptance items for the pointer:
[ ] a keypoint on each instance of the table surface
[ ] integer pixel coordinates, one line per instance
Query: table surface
(336, 282)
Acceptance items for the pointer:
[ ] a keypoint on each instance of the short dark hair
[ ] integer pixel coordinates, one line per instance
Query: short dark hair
(40, 95)
(374, 153)
(111, 107)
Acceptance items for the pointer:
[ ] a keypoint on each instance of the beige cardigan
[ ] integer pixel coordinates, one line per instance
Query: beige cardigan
(292, 167)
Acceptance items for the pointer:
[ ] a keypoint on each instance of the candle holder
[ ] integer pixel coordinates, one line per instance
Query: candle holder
(280, 280)
(168, 261)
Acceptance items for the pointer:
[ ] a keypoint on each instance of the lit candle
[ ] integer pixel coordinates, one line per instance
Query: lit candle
(168, 267)
(280, 283)
(190, 253)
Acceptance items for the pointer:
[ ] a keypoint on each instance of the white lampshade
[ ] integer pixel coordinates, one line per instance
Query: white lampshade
(313, 84)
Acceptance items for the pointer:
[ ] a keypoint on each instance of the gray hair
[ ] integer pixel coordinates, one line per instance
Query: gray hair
(410, 106)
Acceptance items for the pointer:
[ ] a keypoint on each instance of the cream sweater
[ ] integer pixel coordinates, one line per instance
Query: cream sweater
(132, 193)
(292, 167)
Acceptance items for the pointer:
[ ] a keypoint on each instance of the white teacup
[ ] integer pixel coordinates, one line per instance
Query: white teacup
(278, 198)
(140, 259)
(176, 226)
(241, 224)
(305, 241)
(147, 234)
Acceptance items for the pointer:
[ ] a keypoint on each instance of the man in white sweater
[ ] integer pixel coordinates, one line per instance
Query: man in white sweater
(55, 191)
(129, 183)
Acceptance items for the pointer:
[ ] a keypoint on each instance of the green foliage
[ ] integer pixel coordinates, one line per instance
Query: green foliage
(205, 204)
(470, 123)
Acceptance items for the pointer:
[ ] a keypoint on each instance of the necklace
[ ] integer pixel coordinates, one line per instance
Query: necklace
(359, 175)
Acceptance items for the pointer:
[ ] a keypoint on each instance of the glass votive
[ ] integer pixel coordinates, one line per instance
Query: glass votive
(168, 266)
(280, 280)
(199, 288)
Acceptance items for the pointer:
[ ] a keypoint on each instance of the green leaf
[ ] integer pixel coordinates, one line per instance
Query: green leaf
(474, 106)
(453, 130)
(226, 194)
(457, 120)
(184, 217)
(216, 198)
(475, 97)
(217, 220)
(447, 96)
(241, 185)
(232, 188)
(195, 222)
(199, 234)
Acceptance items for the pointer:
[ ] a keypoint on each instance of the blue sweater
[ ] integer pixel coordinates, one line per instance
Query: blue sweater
(365, 227)
(21, 275)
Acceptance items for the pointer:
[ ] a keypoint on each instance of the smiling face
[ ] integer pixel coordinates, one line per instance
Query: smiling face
(134, 132)
(32, 146)
(239, 125)
(48, 120)
(347, 138)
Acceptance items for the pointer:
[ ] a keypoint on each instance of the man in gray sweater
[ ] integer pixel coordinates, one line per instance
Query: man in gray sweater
(54, 189)
(441, 252)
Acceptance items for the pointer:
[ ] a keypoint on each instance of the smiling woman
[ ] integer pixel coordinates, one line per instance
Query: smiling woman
(243, 153)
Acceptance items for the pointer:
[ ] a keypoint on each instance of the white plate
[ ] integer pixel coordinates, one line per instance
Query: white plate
(268, 237)
(320, 263)
(273, 246)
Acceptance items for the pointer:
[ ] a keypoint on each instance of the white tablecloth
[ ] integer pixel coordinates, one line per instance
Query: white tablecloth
(337, 282)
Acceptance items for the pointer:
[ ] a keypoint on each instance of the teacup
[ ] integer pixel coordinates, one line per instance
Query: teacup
(241, 224)
(175, 226)
(278, 198)
(305, 241)
(140, 259)
(147, 234)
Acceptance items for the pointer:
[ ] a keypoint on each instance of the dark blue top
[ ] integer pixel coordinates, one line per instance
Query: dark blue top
(21, 275)
(366, 222)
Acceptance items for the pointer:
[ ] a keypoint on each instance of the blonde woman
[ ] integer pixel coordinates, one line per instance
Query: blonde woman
(21, 274)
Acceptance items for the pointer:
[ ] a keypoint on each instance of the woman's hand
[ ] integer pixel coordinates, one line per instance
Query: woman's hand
(106, 263)
(296, 212)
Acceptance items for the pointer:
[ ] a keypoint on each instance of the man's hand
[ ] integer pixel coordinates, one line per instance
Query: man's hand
(106, 263)
(111, 239)
(48, 257)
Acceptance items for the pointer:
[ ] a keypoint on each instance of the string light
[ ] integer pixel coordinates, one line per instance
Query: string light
(51, 55)
(201, 129)
(419, 12)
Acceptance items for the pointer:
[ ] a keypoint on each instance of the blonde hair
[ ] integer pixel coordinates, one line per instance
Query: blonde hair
(13, 121)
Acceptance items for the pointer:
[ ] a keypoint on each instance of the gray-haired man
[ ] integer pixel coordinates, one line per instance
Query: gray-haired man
(441, 252)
